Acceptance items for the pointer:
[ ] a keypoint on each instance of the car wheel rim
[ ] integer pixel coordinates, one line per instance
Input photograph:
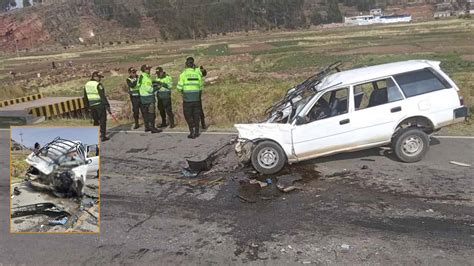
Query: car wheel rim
(268, 158)
(412, 146)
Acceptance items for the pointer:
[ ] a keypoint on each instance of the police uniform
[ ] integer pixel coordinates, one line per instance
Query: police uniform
(164, 99)
(147, 101)
(97, 103)
(190, 85)
(134, 91)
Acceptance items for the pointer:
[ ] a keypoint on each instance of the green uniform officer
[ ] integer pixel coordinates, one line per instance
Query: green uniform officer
(134, 92)
(190, 85)
(147, 100)
(164, 97)
(97, 103)
(203, 73)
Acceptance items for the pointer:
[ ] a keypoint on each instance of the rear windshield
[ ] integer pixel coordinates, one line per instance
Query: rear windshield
(421, 81)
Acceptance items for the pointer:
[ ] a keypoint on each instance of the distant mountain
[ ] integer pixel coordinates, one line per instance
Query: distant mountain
(88, 22)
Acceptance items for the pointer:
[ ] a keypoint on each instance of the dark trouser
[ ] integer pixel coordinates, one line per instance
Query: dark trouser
(164, 105)
(203, 122)
(149, 116)
(192, 114)
(99, 115)
(136, 105)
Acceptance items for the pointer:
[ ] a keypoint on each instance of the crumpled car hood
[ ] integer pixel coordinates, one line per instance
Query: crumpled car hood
(263, 131)
(44, 164)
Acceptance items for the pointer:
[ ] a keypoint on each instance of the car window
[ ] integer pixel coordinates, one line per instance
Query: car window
(376, 93)
(330, 104)
(92, 151)
(421, 81)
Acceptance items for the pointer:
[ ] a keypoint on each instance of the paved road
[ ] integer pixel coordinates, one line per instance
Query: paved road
(362, 208)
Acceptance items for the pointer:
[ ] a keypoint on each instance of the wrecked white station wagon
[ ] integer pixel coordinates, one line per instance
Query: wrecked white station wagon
(338, 111)
(62, 166)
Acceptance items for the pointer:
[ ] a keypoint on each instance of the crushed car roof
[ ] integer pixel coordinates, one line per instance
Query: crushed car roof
(357, 75)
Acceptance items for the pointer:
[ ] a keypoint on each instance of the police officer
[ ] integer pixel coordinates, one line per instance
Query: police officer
(203, 73)
(190, 85)
(97, 103)
(164, 97)
(134, 92)
(147, 100)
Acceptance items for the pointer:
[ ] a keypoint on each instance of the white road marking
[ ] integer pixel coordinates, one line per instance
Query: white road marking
(171, 132)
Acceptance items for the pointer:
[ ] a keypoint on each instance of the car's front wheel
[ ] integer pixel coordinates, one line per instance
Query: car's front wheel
(411, 145)
(268, 158)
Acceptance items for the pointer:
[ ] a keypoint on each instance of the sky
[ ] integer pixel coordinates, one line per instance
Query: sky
(43, 135)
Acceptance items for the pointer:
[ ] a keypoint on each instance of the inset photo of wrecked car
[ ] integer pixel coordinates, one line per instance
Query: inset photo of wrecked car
(54, 180)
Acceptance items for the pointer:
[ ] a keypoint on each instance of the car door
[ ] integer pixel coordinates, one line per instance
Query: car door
(92, 158)
(325, 126)
(378, 106)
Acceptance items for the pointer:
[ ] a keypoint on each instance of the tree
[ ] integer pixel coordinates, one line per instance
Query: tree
(334, 14)
(26, 3)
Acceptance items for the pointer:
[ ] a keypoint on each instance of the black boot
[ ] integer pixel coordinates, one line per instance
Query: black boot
(196, 132)
(203, 123)
(137, 125)
(104, 138)
(153, 129)
(191, 133)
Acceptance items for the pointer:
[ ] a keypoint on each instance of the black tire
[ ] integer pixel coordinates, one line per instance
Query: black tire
(411, 145)
(268, 158)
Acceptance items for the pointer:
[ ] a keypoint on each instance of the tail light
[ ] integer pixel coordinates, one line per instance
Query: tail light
(461, 98)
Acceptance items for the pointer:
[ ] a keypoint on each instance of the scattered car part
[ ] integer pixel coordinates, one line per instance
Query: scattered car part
(46, 208)
(16, 191)
(206, 164)
(460, 164)
(60, 221)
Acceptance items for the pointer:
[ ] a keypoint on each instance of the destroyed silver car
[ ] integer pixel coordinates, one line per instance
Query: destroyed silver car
(62, 166)
(335, 111)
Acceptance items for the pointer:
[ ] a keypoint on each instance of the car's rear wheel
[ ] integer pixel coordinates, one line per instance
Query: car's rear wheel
(268, 158)
(411, 145)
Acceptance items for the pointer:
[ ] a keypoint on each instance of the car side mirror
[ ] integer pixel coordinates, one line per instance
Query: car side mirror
(300, 120)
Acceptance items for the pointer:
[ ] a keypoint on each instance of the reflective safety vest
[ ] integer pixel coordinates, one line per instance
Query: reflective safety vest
(190, 84)
(134, 91)
(147, 95)
(92, 92)
(166, 86)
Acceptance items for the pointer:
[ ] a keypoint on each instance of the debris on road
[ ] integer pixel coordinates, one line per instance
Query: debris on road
(200, 164)
(16, 191)
(216, 180)
(188, 173)
(255, 181)
(460, 164)
(430, 210)
(61, 221)
(245, 199)
(285, 182)
(345, 246)
(364, 167)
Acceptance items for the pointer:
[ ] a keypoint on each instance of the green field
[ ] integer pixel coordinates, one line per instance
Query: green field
(251, 70)
(18, 165)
